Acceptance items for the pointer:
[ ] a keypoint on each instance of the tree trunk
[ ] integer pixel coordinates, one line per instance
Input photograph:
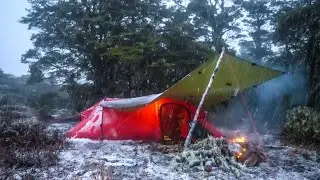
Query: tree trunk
(314, 76)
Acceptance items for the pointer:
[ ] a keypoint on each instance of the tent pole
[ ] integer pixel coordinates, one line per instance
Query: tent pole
(101, 124)
(195, 119)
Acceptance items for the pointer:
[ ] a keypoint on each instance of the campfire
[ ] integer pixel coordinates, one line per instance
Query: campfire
(242, 141)
(245, 151)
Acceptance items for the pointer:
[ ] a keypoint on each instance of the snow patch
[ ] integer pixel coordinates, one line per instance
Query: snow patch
(130, 102)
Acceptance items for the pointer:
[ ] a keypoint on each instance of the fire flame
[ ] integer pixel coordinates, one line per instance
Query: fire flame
(241, 139)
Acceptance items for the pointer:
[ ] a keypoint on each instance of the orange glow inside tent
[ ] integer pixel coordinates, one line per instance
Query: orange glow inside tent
(162, 120)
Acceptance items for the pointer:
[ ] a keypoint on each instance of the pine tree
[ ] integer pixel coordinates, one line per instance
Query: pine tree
(257, 46)
(213, 20)
(298, 29)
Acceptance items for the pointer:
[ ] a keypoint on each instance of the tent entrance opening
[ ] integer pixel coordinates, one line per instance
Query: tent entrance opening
(172, 116)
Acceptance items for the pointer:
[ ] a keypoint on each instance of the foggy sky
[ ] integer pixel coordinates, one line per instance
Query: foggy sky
(14, 37)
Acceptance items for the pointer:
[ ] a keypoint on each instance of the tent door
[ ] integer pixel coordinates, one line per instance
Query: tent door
(172, 117)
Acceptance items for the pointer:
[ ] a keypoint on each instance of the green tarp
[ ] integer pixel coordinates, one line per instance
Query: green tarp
(234, 73)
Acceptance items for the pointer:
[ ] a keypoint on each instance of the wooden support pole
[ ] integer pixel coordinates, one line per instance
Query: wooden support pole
(195, 119)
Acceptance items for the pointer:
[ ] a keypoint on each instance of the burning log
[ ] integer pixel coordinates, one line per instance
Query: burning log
(247, 152)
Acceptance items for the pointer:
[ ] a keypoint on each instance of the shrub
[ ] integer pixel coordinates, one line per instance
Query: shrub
(24, 141)
(302, 125)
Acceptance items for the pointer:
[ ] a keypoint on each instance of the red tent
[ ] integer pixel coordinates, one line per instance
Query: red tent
(162, 119)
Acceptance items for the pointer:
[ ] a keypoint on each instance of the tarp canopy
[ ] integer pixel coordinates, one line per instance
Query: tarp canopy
(234, 75)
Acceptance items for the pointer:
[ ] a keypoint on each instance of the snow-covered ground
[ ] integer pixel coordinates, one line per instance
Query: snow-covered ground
(86, 159)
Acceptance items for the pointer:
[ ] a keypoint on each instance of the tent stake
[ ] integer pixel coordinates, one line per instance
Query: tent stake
(195, 119)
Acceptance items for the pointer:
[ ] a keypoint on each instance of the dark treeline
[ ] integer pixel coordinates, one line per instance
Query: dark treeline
(128, 48)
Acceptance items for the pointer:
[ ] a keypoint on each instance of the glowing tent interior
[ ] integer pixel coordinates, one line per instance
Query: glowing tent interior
(166, 116)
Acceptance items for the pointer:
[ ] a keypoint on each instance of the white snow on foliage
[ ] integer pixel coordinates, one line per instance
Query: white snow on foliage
(129, 102)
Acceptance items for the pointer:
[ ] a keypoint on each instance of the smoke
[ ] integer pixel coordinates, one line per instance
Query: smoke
(263, 108)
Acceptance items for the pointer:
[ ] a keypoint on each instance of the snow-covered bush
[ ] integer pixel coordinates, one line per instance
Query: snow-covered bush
(24, 141)
(302, 125)
(209, 154)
